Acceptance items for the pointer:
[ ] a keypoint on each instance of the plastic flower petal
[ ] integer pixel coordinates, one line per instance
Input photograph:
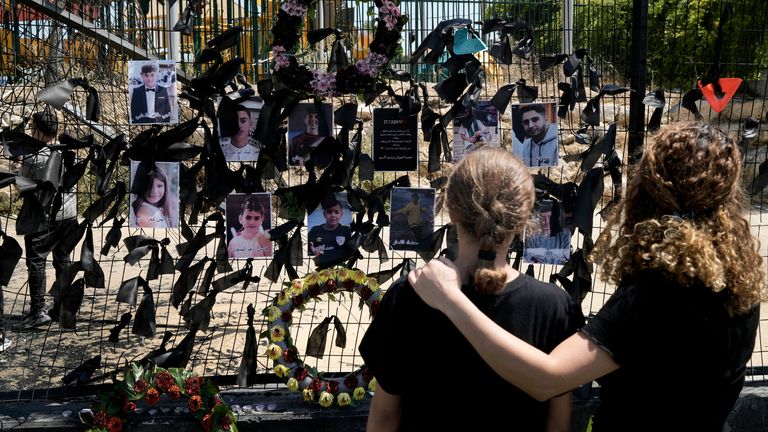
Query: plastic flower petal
(309, 395)
(273, 313)
(312, 278)
(283, 297)
(297, 287)
(326, 274)
(280, 370)
(372, 385)
(344, 399)
(293, 384)
(358, 276)
(373, 284)
(326, 399)
(274, 352)
(359, 393)
(277, 333)
(342, 274)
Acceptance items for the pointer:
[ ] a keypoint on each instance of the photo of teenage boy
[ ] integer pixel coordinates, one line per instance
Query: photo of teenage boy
(247, 233)
(152, 92)
(306, 130)
(535, 139)
(412, 217)
(550, 243)
(329, 227)
(481, 130)
(154, 195)
(236, 133)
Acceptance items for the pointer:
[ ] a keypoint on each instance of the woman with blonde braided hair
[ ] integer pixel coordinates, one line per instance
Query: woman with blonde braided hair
(489, 198)
(673, 341)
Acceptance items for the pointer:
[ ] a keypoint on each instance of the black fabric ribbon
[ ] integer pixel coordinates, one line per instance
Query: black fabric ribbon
(10, 254)
(246, 375)
(317, 339)
(144, 323)
(581, 270)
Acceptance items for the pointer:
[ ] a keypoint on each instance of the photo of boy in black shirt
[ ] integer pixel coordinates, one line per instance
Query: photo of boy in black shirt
(330, 236)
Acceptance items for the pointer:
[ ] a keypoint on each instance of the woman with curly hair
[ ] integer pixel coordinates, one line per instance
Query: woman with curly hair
(670, 346)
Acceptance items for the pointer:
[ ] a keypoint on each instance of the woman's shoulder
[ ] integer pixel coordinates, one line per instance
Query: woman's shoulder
(533, 286)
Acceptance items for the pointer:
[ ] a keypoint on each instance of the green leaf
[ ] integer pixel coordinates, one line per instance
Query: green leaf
(371, 11)
(209, 388)
(264, 334)
(178, 376)
(331, 297)
(134, 372)
(361, 303)
(313, 371)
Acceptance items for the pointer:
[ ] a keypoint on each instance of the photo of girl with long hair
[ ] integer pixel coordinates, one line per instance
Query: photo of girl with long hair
(154, 195)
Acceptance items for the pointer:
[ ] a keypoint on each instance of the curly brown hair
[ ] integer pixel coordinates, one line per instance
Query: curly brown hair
(490, 194)
(682, 215)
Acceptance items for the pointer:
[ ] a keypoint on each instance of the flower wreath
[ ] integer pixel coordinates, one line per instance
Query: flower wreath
(363, 76)
(204, 401)
(287, 364)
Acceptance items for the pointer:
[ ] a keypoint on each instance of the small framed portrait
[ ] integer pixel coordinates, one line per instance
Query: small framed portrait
(412, 218)
(152, 92)
(154, 195)
(550, 243)
(249, 217)
(307, 127)
(329, 226)
(534, 134)
(236, 131)
(473, 129)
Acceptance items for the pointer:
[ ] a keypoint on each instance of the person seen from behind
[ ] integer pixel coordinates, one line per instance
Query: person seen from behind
(670, 346)
(422, 363)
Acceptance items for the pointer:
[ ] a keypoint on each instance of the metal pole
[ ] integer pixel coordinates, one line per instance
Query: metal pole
(174, 38)
(637, 79)
(567, 45)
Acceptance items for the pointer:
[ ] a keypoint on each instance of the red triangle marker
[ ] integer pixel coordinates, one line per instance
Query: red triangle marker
(729, 87)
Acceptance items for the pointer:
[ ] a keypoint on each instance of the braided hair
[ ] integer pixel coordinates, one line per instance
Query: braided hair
(490, 194)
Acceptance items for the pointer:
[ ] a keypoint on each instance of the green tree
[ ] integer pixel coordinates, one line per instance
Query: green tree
(681, 37)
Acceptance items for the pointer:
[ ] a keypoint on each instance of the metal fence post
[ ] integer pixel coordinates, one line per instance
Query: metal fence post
(637, 79)
(567, 43)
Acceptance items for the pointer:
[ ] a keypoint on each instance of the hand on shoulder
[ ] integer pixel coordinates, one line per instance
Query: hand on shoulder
(436, 282)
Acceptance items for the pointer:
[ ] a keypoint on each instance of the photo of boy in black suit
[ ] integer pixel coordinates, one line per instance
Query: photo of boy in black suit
(151, 101)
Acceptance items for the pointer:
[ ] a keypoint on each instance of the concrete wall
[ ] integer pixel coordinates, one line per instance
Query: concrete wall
(279, 410)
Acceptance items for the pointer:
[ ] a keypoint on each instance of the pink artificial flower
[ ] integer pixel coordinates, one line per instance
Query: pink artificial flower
(281, 61)
(294, 8)
(323, 84)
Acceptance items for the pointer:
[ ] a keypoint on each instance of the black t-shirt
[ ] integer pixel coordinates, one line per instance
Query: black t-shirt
(682, 356)
(417, 353)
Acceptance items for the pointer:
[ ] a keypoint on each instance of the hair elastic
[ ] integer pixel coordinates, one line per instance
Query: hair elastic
(487, 255)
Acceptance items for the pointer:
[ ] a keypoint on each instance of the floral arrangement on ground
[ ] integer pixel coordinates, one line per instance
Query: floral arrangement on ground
(116, 404)
(364, 76)
(316, 387)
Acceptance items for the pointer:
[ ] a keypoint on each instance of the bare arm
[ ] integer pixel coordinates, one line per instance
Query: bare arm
(559, 414)
(384, 414)
(575, 361)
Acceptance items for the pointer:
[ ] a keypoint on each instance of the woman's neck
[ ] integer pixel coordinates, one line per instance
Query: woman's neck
(467, 258)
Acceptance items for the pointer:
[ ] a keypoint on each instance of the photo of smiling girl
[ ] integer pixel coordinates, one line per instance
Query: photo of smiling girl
(248, 220)
(154, 195)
